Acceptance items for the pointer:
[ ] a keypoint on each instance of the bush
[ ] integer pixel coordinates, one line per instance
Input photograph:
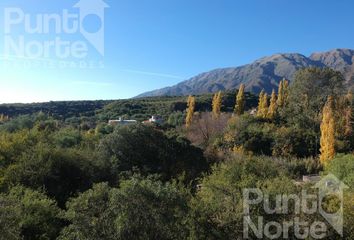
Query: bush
(342, 166)
(29, 215)
(150, 151)
(218, 206)
(139, 209)
(61, 173)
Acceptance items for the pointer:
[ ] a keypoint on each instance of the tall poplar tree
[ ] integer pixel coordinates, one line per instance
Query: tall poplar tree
(283, 93)
(217, 101)
(240, 100)
(327, 132)
(260, 103)
(190, 110)
(265, 105)
(272, 111)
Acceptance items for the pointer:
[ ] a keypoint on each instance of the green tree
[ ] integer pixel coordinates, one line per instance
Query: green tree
(61, 173)
(10, 218)
(89, 215)
(308, 94)
(139, 209)
(150, 151)
(342, 166)
(32, 215)
(176, 119)
(217, 209)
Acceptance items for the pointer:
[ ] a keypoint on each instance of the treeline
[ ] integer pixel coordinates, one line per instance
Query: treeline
(59, 110)
(142, 108)
(138, 109)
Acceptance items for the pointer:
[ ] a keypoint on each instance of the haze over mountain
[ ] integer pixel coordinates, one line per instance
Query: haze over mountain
(264, 73)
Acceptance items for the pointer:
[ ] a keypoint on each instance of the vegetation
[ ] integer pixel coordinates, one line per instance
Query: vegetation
(262, 110)
(67, 174)
(217, 102)
(327, 133)
(272, 112)
(190, 110)
(240, 100)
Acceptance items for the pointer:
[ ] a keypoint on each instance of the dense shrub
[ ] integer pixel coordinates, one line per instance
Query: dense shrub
(139, 209)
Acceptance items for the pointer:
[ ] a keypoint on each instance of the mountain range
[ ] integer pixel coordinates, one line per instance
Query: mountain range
(264, 73)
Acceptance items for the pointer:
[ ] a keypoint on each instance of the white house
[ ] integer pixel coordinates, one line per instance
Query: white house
(120, 121)
(156, 119)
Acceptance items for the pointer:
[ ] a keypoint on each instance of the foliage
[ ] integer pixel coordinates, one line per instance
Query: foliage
(139, 209)
(272, 111)
(58, 110)
(29, 215)
(176, 119)
(61, 173)
(205, 129)
(10, 216)
(254, 134)
(149, 151)
(67, 137)
(240, 100)
(292, 141)
(262, 110)
(190, 110)
(308, 94)
(218, 206)
(217, 102)
(342, 166)
(327, 133)
(283, 93)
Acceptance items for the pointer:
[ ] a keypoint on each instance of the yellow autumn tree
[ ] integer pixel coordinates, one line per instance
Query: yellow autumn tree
(262, 105)
(190, 110)
(240, 100)
(216, 104)
(327, 140)
(283, 93)
(265, 105)
(272, 111)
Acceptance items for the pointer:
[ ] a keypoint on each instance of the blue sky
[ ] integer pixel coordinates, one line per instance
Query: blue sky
(156, 43)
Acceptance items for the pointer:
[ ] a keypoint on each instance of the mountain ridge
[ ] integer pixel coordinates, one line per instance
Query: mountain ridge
(263, 73)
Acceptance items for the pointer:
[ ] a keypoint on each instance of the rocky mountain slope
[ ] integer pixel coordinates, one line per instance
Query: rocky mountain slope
(264, 73)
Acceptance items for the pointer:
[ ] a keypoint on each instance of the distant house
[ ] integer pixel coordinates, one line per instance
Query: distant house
(120, 121)
(154, 119)
(253, 112)
(314, 178)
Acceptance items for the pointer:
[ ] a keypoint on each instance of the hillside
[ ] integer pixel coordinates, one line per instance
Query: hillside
(139, 109)
(262, 73)
(58, 109)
